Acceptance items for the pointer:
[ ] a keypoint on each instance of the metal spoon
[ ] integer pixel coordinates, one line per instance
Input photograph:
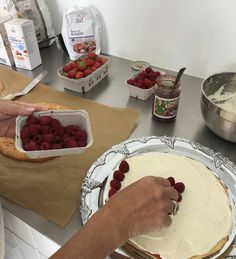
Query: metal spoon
(180, 73)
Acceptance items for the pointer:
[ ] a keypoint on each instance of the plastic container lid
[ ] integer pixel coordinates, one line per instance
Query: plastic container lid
(137, 65)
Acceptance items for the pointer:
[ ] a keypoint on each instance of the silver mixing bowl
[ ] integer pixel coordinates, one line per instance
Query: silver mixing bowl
(220, 121)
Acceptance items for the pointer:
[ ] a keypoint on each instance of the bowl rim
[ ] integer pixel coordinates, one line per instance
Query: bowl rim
(212, 103)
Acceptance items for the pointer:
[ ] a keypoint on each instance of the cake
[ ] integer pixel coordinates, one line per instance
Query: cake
(204, 219)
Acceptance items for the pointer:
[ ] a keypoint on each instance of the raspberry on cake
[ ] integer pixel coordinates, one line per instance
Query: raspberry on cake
(115, 184)
(112, 191)
(124, 166)
(118, 175)
(180, 187)
(171, 180)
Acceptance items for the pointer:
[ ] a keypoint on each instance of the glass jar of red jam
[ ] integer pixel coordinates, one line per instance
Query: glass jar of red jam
(166, 99)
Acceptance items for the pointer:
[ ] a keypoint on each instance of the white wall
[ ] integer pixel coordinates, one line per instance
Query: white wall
(198, 34)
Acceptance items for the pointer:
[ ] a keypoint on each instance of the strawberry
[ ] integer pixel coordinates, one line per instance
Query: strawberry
(90, 62)
(97, 64)
(79, 75)
(35, 129)
(76, 69)
(112, 192)
(45, 120)
(73, 65)
(65, 74)
(25, 133)
(171, 180)
(45, 146)
(31, 146)
(180, 187)
(81, 65)
(71, 74)
(103, 60)
(118, 175)
(124, 166)
(91, 55)
(31, 120)
(67, 68)
(87, 72)
(93, 69)
(49, 138)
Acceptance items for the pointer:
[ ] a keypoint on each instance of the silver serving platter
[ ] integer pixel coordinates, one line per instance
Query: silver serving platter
(94, 184)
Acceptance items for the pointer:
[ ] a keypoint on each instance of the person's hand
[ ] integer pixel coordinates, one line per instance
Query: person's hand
(143, 206)
(9, 110)
(140, 208)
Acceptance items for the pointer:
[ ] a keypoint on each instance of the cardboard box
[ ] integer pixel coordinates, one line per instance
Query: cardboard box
(23, 41)
(6, 57)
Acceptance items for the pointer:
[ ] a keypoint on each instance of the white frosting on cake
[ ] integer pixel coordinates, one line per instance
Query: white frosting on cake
(204, 217)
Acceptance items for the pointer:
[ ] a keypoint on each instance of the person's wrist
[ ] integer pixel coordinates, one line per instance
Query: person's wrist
(113, 221)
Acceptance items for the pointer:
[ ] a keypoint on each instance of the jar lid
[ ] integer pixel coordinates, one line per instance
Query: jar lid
(137, 65)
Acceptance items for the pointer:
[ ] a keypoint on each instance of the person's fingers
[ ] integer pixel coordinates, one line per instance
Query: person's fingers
(11, 131)
(163, 181)
(170, 207)
(14, 109)
(171, 193)
(18, 109)
(31, 105)
(8, 129)
(166, 222)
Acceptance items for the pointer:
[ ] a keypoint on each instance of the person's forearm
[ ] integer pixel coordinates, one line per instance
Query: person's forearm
(97, 239)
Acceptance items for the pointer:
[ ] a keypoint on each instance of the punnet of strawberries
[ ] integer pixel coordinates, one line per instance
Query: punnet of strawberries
(46, 133)
(146, 79)
(83, 67)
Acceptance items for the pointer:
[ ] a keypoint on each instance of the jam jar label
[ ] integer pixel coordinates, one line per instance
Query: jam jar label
(165, 108)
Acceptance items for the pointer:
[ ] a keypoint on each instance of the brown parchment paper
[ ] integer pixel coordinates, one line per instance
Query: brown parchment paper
(52, 188)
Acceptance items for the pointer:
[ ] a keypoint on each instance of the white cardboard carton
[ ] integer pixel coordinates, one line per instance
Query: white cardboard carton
(83, 85)
(23, 41)
(6, 57)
